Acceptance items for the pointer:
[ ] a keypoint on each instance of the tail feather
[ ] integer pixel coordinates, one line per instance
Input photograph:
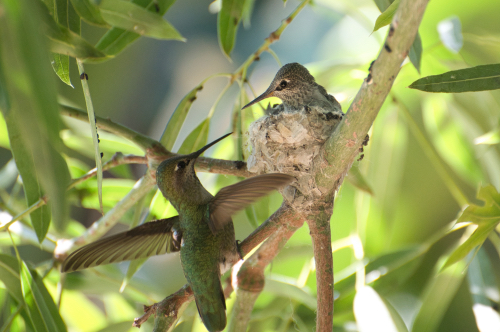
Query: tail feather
(212, 313)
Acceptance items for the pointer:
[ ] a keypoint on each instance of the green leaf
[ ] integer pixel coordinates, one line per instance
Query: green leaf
(480, 78)
(116, 39)
(40, 218)
(60, 64)
(415, 54)
(177, 119)
(373, 313)
(386, 17)
(64, 41)
(134, 18)
(89, 12)
(228, 19)
(450, 33)
(34, 122)
(438, 296)
(486, 217)
(39, 304)
(9, 275)
(196, 139)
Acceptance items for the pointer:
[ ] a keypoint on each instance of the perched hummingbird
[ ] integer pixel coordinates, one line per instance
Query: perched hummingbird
(203, 232)
(296, 88)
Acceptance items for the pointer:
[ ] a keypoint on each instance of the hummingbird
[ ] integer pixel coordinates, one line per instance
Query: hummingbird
(296, 88)
(203, 232)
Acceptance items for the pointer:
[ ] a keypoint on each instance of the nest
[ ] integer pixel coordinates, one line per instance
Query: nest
(287, 141)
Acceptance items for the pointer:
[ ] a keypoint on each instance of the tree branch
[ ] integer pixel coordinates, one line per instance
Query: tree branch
(248, 281)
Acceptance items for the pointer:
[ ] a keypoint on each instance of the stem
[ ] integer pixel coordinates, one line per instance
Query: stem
(274, 36)
(95, 137)
(248, 281)
(319, 228)
(140, 140)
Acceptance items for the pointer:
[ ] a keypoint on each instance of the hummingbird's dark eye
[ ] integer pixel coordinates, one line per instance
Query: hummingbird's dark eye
(181, 165)
(282, 85)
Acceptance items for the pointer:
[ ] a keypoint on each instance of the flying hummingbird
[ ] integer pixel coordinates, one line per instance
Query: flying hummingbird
(296, 88)
(203, 232)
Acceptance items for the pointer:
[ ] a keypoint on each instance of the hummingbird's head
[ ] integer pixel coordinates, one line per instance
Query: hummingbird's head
(177, 179)
(291, 84)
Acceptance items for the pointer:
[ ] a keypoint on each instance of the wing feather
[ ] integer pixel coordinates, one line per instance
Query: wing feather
(149, 239)
(231, 199)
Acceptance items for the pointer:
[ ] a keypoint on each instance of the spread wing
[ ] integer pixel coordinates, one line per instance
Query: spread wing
(231, 199)
(152, 238)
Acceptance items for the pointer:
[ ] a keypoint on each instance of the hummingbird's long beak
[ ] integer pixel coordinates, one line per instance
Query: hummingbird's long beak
(200, 151)
(267, 94)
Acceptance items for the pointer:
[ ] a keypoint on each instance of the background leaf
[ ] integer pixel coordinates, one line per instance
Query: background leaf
(478, 78)
(228, 19)
(134, 18)
(386, 17)
(116, 39)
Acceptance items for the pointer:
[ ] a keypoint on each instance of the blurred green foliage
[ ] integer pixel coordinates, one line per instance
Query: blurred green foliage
(414, 232)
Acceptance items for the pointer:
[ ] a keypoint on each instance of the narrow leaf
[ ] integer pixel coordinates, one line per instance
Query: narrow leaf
(480, 78)
(131, 17)
(116, 39)
(438, 296)
(40, 218)
(89, 12)
(64, 41)
(60, 62)
(386, 17)
(40, 306)
(196, 139)
(34, 119)
(486, 217)
(450, 33)
(415, 54)
(228, 19)
(177, 119)
(9, 275)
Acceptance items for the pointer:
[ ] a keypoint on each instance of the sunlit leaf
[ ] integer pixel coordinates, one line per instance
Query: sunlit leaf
(134, 18)
(40, 306)
(450, 33)
(196, 139)
(60, 62)
(490, 138)
(9, 275)
(228, 19)
(116, 39)
(415, 54)
(64, 41)
(480, 78)
(89, 12)
(373, 313)
(486, 218)
(386, 17)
